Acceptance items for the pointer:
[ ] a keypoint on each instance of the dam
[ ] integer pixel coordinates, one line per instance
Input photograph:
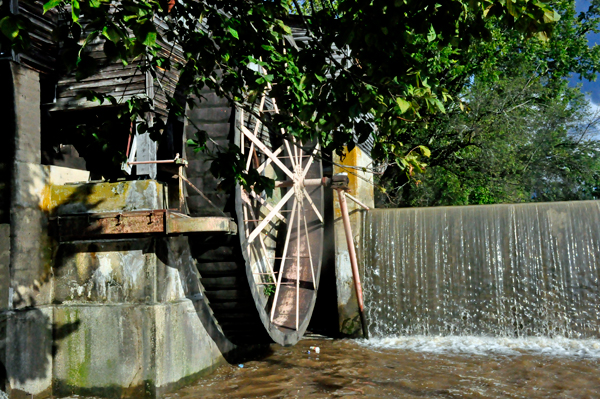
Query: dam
(491, 270)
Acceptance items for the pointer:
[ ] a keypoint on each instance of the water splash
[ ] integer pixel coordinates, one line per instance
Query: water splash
(470, 345)
(500, 270)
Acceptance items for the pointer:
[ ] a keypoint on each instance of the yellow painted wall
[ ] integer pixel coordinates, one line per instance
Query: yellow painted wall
(361, 187)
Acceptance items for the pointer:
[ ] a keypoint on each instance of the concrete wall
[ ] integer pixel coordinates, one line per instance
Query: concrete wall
(128, 319)
(113, 318)
(361, 187)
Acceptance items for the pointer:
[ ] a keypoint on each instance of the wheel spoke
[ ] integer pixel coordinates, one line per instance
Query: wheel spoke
(312, 268)
(298, 159)
(249, 160)
(267, 152)
(268, 160)
(283, 258)
(262, 243)
(289, 150)
(267, 205)
(298, 270)
(310, 161)
(310, 201)
(241, 135)
(270, 216)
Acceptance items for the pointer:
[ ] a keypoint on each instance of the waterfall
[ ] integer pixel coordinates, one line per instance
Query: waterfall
(490, 270)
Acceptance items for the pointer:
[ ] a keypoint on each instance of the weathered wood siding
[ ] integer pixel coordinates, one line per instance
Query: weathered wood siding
(121, 81)
(43, 51)
(213, 115)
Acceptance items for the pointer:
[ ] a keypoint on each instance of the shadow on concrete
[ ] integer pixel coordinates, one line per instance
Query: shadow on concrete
(31, 339)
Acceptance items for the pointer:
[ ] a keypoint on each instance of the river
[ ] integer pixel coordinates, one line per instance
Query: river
(413, 367)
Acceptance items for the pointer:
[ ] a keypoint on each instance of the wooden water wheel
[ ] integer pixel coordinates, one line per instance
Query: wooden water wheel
(255, 294)
(281, 235)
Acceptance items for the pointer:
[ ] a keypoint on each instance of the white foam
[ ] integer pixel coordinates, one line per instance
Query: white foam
(472, 345)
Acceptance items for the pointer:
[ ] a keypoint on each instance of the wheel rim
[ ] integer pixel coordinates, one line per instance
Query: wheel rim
(281, 236)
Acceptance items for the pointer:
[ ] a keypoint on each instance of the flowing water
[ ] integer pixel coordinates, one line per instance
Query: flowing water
(463, 302)
(497, 270)
(413, 367)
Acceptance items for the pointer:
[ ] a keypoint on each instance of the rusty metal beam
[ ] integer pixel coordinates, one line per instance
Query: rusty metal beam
(159, 221)
(96, 225)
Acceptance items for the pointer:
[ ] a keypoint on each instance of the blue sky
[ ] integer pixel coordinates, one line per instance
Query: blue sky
(591, 87)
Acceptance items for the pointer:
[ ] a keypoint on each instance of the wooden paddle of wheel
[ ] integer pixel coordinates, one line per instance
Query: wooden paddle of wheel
(282, 235)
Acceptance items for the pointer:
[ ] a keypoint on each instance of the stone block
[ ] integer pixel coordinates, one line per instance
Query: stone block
(27, 114)
(209, 115)
(198, 167)
(177, 276)
(29, 352)
(210, 99)
(105, 197)
(105, 350)
(59, 175)
(103, 271)
(362, 189)
(184, 349)
(218, 129)
(29, 185)
(31, 258)
(4, 266)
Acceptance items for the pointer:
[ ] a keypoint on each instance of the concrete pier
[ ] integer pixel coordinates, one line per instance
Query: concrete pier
(112, 317)
(361, 187)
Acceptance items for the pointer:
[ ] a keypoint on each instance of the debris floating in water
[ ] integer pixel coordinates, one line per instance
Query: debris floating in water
(241, 366)
(316, 349)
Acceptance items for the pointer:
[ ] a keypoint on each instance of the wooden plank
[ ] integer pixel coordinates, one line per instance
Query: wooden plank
(146, 151)
(211, 224)
(101, 75)
(117, 91)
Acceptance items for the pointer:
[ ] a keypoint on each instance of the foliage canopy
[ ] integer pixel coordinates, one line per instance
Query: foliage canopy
(388, 64)
(526, 135)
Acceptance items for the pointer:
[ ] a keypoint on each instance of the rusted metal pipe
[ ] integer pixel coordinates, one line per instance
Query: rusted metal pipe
(353, 260)
(305, 182)
(366, 208)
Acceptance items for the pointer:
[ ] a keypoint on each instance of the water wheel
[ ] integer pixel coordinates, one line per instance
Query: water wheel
(281, 235)
(260, 285)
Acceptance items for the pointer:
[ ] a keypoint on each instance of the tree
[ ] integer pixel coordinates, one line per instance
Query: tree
(525, 135)
(384, 62)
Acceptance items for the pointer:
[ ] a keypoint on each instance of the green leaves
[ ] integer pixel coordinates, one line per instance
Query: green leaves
(112, 33)
(9, 27)
(366, 69)
(146, 33)
(403, 104)
(75, 10)
(51, 4)
(425, 151)
(233, 32)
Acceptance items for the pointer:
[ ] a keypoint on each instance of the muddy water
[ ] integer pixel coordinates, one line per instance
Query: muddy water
(414, 367)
